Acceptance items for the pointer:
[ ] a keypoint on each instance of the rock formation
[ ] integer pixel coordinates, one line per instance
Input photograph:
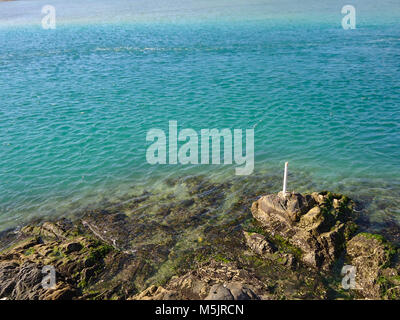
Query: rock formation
(317, 224)
(210, 281)
(376, 265)
(290, 247)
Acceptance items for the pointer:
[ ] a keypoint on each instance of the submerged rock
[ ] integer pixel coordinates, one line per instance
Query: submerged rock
(317, 224)
(196, 254)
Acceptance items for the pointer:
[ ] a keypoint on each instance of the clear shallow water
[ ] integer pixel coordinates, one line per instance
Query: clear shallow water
(76, 102)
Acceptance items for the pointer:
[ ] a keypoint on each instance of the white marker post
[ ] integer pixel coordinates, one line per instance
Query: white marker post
(285, 179)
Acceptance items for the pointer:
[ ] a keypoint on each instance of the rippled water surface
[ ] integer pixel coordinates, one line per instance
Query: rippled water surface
(76, 102)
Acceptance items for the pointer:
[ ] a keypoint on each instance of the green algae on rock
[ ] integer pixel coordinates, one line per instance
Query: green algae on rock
(78, 258)
(377, 266)
(292, 248)
(316, 224)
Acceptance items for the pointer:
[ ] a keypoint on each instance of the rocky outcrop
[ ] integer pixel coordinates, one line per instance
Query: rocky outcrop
(259, 244)
(77, 259)
(21, 277)
(317, 224)
(210, 281)
(376, 268)
(266, 249)
(276, 252)
(231, 291)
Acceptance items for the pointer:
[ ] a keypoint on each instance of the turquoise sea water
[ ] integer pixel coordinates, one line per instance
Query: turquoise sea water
(76, 102)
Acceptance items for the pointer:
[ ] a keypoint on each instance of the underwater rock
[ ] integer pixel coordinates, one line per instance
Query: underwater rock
(109, 254)
(316, 224)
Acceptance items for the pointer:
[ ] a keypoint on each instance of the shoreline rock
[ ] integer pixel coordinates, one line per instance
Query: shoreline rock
(292, 247)
(316, 224)
(377, 266)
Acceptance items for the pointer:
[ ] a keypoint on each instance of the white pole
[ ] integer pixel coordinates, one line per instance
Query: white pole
(285, 179)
